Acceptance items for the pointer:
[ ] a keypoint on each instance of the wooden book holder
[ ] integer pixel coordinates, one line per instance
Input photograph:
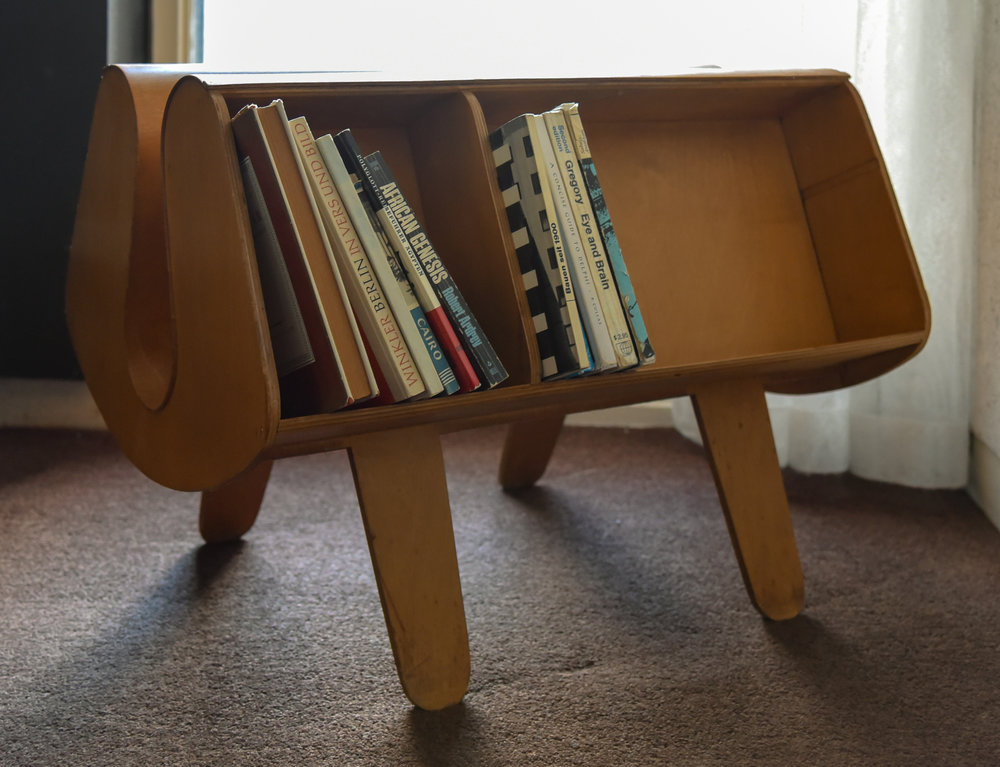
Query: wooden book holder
(754, 211)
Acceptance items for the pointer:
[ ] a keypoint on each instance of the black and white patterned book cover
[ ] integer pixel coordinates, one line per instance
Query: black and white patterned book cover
(557, 357)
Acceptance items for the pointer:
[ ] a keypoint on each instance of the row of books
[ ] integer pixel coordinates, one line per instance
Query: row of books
(360, 307)
(586, 316)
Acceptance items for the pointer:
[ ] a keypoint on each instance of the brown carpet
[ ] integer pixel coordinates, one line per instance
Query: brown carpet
(607, 620)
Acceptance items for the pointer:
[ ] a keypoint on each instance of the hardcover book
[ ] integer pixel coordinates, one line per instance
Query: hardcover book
(408, 338)
(286, 328)
(407, 236)
(485, 366)
(587, 228)
(319, 386)
(561, 217)
(546, 317)
(433, 356)
(397, 244)
(520, 183)
(644, 347)
(318, 254)
(397, 372)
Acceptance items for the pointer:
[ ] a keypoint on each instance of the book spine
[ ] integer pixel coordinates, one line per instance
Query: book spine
(520, 171)
(439, 377)
(581, 341)
(364, 290)
(407, 339)
(590, 239)
(287, 330)
(396, 239)
(342, 325)
(550, 336)
(561, 217)
(470, 339)
(567, 243)
(396, 216)
(318, 387)
(333, 296)
(644, 347)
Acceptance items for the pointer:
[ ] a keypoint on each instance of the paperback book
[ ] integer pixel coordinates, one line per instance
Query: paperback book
(408, 338)
(623, 281)
(471, 352)
(378, 324)
(319, 386)
(397, 250)
(514, 155)
(566, 236)
(577, 200)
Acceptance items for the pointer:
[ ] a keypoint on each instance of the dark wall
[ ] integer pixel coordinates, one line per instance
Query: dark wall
(52, 54)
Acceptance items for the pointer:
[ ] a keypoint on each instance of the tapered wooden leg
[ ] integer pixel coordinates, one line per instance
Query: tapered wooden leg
(527, 450)
(227, 512)
(400, 479)
(737, 434)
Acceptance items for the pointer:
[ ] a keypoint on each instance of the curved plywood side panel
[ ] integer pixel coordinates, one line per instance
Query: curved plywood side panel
(917, 311)
(179, 375)
(872, 280)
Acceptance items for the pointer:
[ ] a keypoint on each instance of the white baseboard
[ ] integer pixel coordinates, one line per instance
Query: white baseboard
(984, 480)
(41, 403)
(68, 405)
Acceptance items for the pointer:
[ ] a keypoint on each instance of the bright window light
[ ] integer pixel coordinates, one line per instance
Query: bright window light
(443, 39)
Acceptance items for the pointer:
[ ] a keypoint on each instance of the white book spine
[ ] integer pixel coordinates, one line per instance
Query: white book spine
(335, 269)
(587, 297)
(374, 248)
(363, 287)
(590, 238)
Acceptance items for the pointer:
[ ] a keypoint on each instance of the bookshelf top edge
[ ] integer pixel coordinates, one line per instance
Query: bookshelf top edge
(310, 80)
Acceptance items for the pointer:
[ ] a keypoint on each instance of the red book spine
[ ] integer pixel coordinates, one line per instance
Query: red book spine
(465, 373)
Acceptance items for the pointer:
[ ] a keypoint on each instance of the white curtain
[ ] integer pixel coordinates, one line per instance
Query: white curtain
(915, 67)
